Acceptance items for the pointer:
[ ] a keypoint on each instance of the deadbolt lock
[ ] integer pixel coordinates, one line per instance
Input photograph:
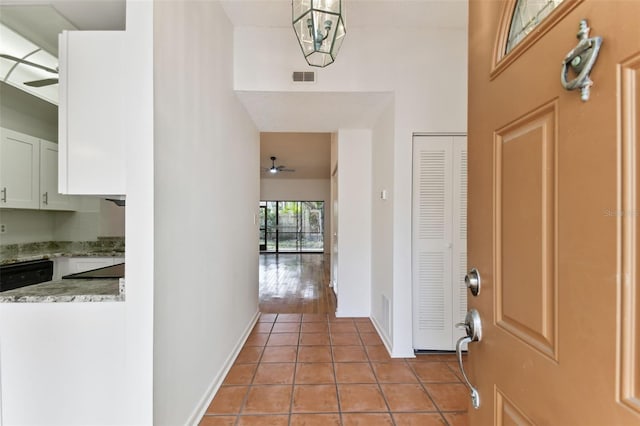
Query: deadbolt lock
(473, 281)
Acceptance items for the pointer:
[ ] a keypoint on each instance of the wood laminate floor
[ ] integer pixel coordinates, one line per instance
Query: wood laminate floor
(296, 283)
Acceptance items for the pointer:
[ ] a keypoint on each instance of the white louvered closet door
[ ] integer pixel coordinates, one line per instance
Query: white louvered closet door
(439, 240)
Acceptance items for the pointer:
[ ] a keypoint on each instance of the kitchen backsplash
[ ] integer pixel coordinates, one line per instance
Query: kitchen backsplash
(108, 246)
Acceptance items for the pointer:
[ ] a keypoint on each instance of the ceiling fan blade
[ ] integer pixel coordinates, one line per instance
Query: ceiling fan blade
(31, 64)
(287, 170)
(41, 83)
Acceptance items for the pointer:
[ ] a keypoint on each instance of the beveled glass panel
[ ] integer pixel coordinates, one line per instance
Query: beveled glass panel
(324, 25)
(327, 5)
(339, 38)
(319, 59)
(299, 8)
(526, 16)
(304, 33)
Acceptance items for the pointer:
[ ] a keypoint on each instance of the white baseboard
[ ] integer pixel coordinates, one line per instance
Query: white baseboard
(387, 344)
(205, 401)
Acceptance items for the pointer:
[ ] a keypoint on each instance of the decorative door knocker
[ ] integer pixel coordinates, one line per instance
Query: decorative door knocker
(581, 60)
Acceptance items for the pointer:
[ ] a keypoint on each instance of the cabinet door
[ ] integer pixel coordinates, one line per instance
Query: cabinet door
(92, 112)
(432, 242)
(459, 300)
(439, 243)
(50, 198)
(19, 170)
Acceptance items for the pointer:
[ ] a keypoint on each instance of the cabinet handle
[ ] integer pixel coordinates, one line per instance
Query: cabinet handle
(45, 198)
(4, 194)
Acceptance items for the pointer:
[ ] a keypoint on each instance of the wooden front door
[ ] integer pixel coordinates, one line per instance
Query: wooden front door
(553, 187)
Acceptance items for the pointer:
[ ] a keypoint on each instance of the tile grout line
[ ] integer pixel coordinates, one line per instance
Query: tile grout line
(335, 376)
(246, 396)
(431, 398)
(433, 401)
(295, 370)
(384, 397)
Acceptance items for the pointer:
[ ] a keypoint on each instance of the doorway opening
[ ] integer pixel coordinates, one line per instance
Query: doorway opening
(292, 226)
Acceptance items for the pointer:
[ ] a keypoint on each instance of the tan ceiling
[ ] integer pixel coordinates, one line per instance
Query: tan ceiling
(309, 154)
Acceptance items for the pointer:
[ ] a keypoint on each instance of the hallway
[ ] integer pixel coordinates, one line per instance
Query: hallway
(303, 366)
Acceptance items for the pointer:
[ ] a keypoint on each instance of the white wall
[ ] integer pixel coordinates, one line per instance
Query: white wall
(27, 114)
(382, 223)
(27, 226)
(301, 190)
(437, 103)
(425, 69)
(354, 232)
(206, 196)
(91, 363)
(94, 218)
(140, 212)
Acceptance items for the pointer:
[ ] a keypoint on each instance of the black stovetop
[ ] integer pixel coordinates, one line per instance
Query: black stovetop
(114, 271)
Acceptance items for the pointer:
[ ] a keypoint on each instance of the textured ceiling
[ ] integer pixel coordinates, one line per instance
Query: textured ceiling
(309, 154)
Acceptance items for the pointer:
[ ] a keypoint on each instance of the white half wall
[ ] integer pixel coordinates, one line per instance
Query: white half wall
(206, 198)
(63, 364)
(301, 190)
(354, 232)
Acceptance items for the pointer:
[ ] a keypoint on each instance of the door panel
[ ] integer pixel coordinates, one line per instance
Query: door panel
(525, 257)
(508, 414)
(552, 193)
(630, 309)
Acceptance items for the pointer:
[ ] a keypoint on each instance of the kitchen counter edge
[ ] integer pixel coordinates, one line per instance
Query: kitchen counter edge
(15, 296)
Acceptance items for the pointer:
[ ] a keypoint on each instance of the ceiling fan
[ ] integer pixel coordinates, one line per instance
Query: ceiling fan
(35, 83)
(276, 169)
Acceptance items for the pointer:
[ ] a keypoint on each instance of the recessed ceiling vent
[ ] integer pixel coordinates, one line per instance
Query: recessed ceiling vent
(304, 76)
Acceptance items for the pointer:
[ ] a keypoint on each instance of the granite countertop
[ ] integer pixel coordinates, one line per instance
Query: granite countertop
(102, 247)
(70, 290)
(54, 255)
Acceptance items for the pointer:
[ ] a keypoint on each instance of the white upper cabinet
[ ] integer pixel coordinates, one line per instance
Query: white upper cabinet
(50, 198)
(92, 112)
(19, 170)
(29, 174)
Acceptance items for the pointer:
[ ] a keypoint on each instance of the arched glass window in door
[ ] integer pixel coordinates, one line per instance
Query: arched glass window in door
(526, 16)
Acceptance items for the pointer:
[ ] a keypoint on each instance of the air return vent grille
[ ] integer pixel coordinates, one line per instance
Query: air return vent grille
(304, 76)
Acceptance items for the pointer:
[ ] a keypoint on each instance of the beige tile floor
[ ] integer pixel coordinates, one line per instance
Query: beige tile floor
(314, 369)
